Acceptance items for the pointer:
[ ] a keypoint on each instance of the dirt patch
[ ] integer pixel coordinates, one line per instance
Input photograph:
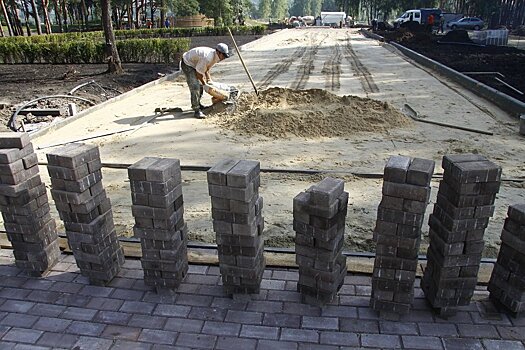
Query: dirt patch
(314, 113)
(457, 51)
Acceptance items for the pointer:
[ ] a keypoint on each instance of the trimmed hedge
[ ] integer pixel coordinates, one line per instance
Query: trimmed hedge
(90, 51)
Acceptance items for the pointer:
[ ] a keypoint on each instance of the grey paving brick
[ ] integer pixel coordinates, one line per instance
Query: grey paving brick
(199, 341)
(16, 306)
(121, 332)
(172, 310)
(438, 329)
(477, 331)
(235, 343)
(38, 284)
(221, 328)
(85, 343)
(73, 300)
(380, 341)
(218, 291)
(419, 316)
(47, 310)
(201, 279)
(272, 284)
(64, 287)
(183, 325)
(512, 333)
(399, 328)
(244, 317)
(4, 345)
(188, 288)
(311, 346)
(137, 307)
(127, 294)
(503, 320)
(106, 304)
(352, 300)
(85, 328)
(43, 296)
(169, 347)
(154, 322)
(301, 309)
(339, 338)
(339, 311)
(462, 344)
(206, 313)
(52, 324)
(282, 320)
(194, 300)
(19, 320)
(157, 336)
(421, 342)
(358, 326)
(22, 335)
(229, 303)
(366, 313)
(96, 291)
(325, 323)
(497, 344)
(284, 295)
(3, 330)
(363, 290)
(259, 332)
(299, 335)
(30, 347)
(274, 345)
(130, 345)
(111, 317)
(285, 275)
(121, 282)
(197, 269)
(264, 306)
(14, 293)
(78, 314)
(57, 340)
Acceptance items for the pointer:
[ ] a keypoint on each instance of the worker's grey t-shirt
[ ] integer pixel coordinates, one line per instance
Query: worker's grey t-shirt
(201, 58)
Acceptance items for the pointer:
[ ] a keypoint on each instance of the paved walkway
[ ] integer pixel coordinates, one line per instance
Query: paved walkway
(63, 311)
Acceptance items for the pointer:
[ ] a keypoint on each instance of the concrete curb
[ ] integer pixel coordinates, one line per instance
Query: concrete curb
(85, 112)
(505, 102)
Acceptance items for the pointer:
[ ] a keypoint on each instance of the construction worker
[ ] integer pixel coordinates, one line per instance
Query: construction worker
(441, 24)
(196, 64)
(430, 22)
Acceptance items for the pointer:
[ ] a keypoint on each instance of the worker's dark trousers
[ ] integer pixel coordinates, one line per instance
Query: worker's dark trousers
(193, 84)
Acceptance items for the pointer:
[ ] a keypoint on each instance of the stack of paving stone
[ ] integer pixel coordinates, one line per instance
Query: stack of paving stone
(238, 223)
(506, 284)
(24, 206)
(319, 223)
(406, 192)
(156, 193)
(462, 211)
(80, 198)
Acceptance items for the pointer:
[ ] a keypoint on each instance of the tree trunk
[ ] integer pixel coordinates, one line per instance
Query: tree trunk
(6, 17)
(58, 16)
(1, 30)
(130, 12)
(45, 4)
(37, 17)
(112, 56)
(16, 20)
(26, 15)
(64, 14)
(85, 14)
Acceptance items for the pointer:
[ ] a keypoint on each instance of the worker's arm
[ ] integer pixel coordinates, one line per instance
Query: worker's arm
(208, 76)
(200, 78)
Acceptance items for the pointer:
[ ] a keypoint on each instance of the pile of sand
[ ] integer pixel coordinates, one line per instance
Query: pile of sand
(281, 113)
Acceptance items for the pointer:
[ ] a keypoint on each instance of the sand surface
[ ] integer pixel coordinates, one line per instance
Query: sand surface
(326, 134)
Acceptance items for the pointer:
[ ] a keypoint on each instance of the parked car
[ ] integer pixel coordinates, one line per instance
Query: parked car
(467, 23)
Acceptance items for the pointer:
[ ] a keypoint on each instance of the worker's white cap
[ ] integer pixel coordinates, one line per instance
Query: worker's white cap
(222, 47)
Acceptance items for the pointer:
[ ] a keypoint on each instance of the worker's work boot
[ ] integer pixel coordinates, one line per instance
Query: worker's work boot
(199, 115)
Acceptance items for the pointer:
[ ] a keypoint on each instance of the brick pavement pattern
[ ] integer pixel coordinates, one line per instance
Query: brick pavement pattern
(158, 209)
(465, 203)
(81, 201)
(238, 223)
(319, 216)
(24, 205)
(506, 282)
(406, 192)
(62, 311)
